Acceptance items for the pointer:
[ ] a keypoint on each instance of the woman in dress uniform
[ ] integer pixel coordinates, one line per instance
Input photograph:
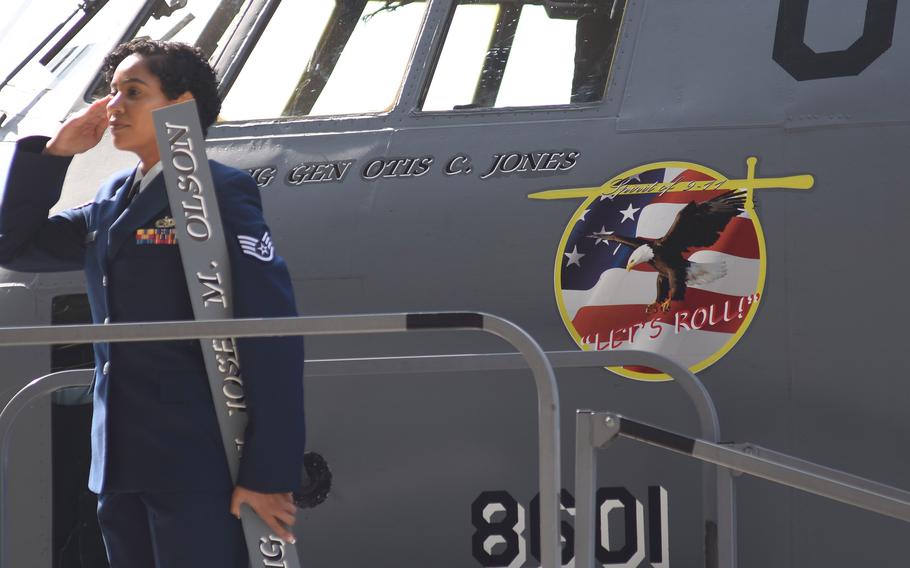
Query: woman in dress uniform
(166, 498)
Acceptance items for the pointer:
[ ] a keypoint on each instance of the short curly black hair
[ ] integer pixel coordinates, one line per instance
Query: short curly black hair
(179, 67)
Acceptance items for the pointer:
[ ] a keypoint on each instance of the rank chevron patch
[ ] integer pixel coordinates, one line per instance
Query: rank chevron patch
(260, 249)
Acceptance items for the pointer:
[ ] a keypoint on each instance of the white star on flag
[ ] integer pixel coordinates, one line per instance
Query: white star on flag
(574, 257)
(629, 213)
(600, 236)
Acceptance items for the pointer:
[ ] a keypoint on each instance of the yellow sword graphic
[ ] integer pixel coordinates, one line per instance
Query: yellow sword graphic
(750, 183)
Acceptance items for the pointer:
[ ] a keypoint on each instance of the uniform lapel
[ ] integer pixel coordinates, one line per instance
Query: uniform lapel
(146, 205)
(107, 212)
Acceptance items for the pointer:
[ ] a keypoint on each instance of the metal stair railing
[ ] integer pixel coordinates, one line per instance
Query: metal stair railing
(467, 363)
(718, 490)
(718, 495)
(528, 349)
(596, 430)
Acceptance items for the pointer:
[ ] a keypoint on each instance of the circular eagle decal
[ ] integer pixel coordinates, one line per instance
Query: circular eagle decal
(667, 257)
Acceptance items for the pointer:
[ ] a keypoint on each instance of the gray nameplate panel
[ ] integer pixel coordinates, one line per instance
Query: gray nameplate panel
(206, 265)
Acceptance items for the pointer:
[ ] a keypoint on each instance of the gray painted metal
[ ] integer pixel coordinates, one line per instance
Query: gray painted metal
(843, 487)
(550, 459)
(597, 430)
(719, 490)
(585, 469)
(248, 327)
(207, 269)
(39, 387)
(548, 396)
(585, 489)
(691, 81)
(719, 494)
(428, 43)
(241, 41)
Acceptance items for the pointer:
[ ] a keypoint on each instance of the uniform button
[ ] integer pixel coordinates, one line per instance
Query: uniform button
(104, 280)
(106, 369)
(107, 320)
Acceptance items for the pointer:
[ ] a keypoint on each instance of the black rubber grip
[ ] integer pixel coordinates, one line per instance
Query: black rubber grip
(656, 435)
(444, 321)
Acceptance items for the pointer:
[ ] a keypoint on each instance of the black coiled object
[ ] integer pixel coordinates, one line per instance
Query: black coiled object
(317, 484)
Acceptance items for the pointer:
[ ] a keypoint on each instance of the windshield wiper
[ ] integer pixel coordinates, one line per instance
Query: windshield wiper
(89, 9)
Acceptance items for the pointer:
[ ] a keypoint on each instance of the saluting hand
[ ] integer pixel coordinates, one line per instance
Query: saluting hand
(80, 132)
(276, 509)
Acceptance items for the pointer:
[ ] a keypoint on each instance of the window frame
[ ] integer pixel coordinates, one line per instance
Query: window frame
(406, 111)
(129, 33)
(415, 82)
(248, 47)
(604, 101)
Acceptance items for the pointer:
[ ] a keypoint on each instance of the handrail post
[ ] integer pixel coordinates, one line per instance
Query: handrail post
(718, 490)
(726, 517)
(550, 462)
(585, 490)
(592, 433)
(41, 386)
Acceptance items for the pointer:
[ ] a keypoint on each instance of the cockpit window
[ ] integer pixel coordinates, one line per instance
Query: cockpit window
(327, 57)
(41, 43)
(203, 23)
(519, 54)
(197, 22)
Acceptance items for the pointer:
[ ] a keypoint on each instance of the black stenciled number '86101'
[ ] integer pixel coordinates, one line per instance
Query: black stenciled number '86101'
(505, 533)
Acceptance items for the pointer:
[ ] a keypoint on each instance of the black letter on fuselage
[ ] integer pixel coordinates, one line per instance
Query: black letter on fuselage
(804, 64)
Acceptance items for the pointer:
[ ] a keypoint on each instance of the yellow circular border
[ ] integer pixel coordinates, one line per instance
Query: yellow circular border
(725, 348)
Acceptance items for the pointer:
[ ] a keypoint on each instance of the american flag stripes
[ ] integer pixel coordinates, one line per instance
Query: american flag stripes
(604, 305)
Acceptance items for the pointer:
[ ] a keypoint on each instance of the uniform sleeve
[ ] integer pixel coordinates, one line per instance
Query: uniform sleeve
(29, 240)
(272, 367)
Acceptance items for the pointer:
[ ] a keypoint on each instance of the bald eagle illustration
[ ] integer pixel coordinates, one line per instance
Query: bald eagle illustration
(696, 225)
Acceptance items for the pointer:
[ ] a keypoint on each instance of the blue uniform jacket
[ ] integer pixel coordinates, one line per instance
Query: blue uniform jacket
(154, 426)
